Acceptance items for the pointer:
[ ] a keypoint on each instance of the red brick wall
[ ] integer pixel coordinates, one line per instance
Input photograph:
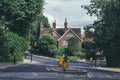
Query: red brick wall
(66, 38)
(60, 42)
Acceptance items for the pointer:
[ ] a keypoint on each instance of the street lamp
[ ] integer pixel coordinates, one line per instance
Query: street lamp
(33, 43)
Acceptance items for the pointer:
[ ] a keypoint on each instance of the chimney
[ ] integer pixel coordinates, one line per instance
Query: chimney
(41, 26)
(54, 25)
(65, 25)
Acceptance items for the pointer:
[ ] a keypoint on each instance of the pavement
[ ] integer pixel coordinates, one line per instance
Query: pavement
(108, 69)
(101, 68)
(44, 57)
(25, 61)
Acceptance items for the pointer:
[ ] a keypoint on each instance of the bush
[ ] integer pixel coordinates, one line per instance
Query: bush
(72, 58)
(57, 56)
(47, 45)
(77, 53)
(59, 53)
(11, 45)
(80, 53)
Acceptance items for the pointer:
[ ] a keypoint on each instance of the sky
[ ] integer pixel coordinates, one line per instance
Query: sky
(58, 10)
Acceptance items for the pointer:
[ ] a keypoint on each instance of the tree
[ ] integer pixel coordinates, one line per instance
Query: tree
(47, 44)
(72, 46)
(89, 47)
(36, 24)
(11, 46)
(107, 30)
(89, 32)
(44, 19)
(19, 14)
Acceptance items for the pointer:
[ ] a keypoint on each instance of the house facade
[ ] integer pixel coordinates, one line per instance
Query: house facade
(61, 35)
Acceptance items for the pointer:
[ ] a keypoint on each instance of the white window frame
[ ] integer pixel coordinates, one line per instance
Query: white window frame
(64, 43)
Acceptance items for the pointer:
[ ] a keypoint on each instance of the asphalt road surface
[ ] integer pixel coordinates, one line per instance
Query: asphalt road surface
(39, 71)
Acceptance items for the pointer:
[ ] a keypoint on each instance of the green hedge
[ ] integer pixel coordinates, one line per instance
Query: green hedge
(11, 45)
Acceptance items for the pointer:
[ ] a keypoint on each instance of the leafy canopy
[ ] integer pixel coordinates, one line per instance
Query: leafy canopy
(107, 29)
(19, 14)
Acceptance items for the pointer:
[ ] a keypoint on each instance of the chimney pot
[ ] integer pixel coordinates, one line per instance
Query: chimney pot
(54, 25)
(65, 25)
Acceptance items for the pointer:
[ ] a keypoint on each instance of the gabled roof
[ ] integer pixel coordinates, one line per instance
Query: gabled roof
(57, 35)
(77, 35)
(76, 31)
(49, 31)
(60, 32)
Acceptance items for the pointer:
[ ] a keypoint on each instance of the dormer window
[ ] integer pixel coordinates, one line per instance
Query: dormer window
(54, 33)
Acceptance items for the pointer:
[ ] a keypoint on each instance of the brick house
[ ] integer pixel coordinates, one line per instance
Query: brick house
(61, 35)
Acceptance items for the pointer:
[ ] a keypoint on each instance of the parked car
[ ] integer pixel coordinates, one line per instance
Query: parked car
(28, 53)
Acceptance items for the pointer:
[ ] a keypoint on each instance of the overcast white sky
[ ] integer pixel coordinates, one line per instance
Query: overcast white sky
(71, 9)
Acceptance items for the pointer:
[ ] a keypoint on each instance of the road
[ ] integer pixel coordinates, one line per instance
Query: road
(40, 71)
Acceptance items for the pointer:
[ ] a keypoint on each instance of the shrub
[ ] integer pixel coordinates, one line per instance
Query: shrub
(72, 58)
(80, 53)
(59, 53)
(47, 45)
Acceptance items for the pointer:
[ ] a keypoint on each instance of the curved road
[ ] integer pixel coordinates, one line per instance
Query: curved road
(39, 71)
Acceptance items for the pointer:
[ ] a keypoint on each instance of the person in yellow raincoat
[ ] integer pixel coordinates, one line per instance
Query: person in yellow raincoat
(65, 62)
(91, 59)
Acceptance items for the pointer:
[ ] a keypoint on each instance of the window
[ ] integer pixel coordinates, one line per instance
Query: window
(69, 35)
(54, 33)
(64, 43)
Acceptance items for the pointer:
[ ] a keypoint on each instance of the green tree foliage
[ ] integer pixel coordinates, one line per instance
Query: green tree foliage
(47, 45)
(89, 31)
(44, 19)
(11, 45)
(89, 48)
(72, 46)
(18, 14)
(107, 30)
(36, 24)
